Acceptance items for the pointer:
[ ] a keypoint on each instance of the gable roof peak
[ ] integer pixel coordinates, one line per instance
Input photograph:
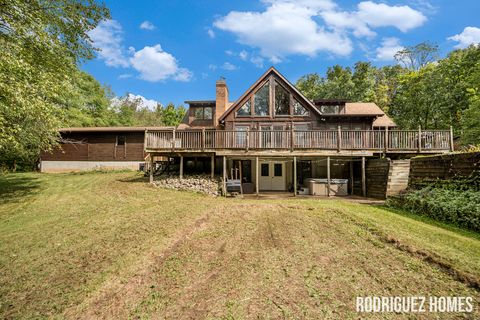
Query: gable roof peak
(271, 69)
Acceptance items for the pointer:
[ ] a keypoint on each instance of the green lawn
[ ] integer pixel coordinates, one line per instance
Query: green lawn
(109, 245)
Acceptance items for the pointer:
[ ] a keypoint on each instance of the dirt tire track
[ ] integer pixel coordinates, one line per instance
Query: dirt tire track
(117, 296)
(429, 257)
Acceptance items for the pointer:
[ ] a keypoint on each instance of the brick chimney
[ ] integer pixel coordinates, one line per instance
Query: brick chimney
(221, 99)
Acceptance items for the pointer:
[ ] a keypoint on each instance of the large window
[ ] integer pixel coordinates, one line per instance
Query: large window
(298, 109)
(330, 109)
(262, 101)
(282, 100)
(244, 110)
(272, 98)
(203, 113)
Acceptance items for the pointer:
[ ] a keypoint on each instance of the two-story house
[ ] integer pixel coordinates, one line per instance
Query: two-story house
(275, 139)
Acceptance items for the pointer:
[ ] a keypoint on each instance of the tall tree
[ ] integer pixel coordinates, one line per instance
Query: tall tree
(41, 43)
(417, 56)
(172, 116)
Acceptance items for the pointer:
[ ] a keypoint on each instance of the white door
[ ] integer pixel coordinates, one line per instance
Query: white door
(272, 176)
(264, 178)
(278, 176)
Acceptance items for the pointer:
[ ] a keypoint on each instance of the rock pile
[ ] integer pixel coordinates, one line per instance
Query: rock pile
(198, 183)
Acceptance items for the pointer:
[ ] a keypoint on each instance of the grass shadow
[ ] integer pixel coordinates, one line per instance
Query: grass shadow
(14, 187)
(425, 219)
(138, 178)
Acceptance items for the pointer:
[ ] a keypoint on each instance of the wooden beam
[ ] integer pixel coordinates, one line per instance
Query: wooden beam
(256, 176)
(328, 176)
(294, 176)
(364, 182)
(181, 167)
(212, 167)
(151, 168)
(224, 176)
(351, 177)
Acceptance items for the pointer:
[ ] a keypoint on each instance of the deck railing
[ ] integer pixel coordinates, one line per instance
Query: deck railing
(372, 140)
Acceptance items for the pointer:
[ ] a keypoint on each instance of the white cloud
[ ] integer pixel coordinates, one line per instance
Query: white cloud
(382, 15)
(373, 15)
(212, 67)
(229, 52)
(311, 4)
(289, 27)
(211, 33)
(154, 64)
(141, 101)
(341, 20)
(228, 66)
(257, 61)
(469, 35)
(243, 55)
(147, 25)
(125, 76)
(388, 49)
(108, 38)
(285, 28)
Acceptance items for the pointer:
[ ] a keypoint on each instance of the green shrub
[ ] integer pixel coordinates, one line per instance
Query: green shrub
(458, 207)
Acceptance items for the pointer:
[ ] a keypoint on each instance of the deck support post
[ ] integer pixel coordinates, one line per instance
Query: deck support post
(328, 176)
(224, 181)
(257, 168)
(212, 167)
(181, 167)
(151, 168)
(364, 182)
(294, 176)
(351, 177)
(451, 139)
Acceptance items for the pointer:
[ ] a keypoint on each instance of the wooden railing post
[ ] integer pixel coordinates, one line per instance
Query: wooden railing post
(203, 139)
(173, 140)
(292, 137)
(248, 138)
(145, 141)
(386, 140)
(339, 138)
(419, 139)
(451, 139)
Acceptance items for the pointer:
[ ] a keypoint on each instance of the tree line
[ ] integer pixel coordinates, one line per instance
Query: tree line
(42, 44)
(419, 90)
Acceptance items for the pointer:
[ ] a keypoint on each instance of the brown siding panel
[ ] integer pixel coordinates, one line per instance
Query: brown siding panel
(98, 146)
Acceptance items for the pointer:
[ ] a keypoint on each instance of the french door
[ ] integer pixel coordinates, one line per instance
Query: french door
(272, 176)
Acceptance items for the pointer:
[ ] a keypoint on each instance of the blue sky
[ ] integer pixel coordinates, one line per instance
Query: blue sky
(172, 51)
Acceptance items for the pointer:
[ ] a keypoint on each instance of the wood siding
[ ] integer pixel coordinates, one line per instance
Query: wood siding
(376, 171)
(427, 170)
(98, 146)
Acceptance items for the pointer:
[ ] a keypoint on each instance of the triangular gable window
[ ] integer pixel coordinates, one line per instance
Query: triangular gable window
(299, 110)
(261, 100)
(245, 110)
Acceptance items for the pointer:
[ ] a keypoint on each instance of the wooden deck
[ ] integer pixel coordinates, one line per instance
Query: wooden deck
(298, 142)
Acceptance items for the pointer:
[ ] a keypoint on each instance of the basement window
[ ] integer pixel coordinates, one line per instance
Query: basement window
(121, 139)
